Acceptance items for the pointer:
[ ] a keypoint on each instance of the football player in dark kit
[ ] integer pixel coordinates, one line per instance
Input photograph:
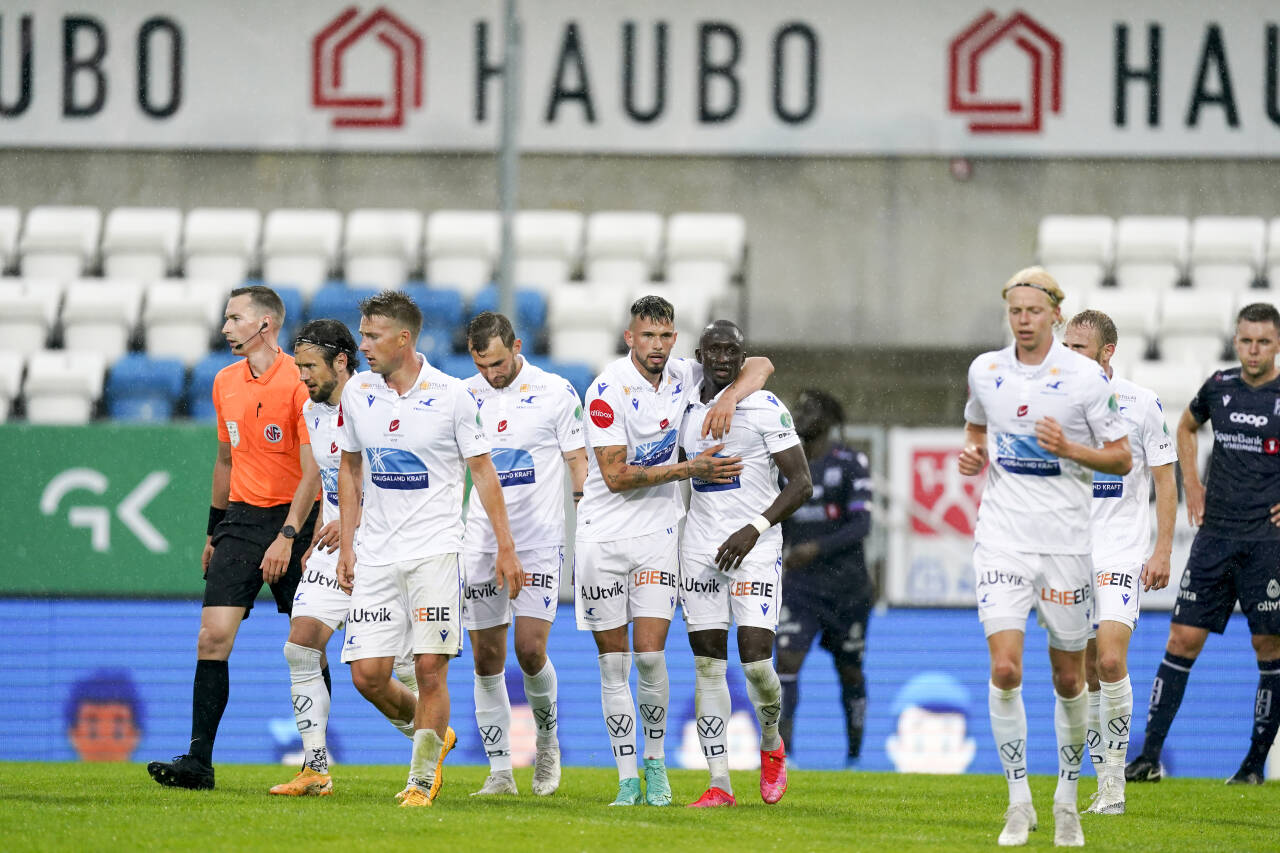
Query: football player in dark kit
(1236, 552)
(826, 588)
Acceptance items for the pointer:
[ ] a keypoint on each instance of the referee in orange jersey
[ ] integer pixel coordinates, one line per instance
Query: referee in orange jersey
(265, 483)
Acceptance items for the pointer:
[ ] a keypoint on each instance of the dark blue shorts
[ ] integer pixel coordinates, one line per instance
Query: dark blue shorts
(1223, 571)
(838, 608)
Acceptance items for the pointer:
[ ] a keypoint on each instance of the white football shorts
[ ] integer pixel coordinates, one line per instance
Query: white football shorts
(614, 582)
(746, 596)
(418, 600)
(486, 606)
(319, 595)
(1116, 593)
(1060, 586)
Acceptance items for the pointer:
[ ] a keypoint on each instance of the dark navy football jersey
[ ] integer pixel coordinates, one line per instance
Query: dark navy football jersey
(838, 515)
(1243, 481)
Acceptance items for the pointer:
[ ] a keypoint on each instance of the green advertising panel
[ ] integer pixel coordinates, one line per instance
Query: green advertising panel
(104, 509)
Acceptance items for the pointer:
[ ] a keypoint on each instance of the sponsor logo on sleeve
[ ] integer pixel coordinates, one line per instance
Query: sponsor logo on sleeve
(601, 413)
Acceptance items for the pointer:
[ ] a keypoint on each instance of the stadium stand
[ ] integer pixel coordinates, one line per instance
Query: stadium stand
(59, 242)
(28, 312)
(180, 317)
(1195, 325)
(1133, 312)
(338, 303)
(221, 243)
(300, 247)
(10, 223)
(442, 320)
(144, 389)
(1173, 382)
(548, 246)
(11, 364)
(461, 249)
(585, 322)
(1151, 251)
(622, 246)
(1273, 254)
(530, 318)
(1077, 250)
(100, 315)
(141, 243)
(200, 389)
(382, 248)
(62, 386)
(1227, 251)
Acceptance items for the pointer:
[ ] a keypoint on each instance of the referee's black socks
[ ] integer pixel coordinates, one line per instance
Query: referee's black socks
(209, 694)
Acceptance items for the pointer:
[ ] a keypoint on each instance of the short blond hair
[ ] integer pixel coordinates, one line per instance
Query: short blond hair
(1039, 278)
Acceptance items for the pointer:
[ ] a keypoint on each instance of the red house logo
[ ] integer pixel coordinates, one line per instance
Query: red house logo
(402, 92)
(1044, 74)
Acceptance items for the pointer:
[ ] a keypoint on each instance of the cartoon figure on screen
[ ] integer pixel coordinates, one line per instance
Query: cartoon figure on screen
(933, 720)
(104, 716)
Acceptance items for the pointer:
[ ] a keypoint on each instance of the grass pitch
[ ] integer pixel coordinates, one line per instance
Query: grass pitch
(117, 807)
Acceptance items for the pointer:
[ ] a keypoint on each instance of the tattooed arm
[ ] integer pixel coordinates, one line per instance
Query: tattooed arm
(621, 477)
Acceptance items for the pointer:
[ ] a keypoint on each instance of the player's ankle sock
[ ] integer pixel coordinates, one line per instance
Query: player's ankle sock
(1115, 712)
(310, 703)
(1093, 738)
(426, 752)
(652, 692)
(541, 690)
(493, 717)
(713, 707)
(619, 710)
(328, 682)
(765, 692)
(1069, 723)
(1009, 727)
(209, 692)
(407, 675)
(1166, 696)
(853, 696)
(1266, 714)
(790, 682)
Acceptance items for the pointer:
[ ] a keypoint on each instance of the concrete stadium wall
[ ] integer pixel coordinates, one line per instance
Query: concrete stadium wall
(868, 253)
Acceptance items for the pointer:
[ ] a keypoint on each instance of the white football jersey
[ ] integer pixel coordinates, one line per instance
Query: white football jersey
(1122, 505)
(414, 449)
(530, 425)
(1035, 502)
(624, 409)
(322, 426)
(761, 427)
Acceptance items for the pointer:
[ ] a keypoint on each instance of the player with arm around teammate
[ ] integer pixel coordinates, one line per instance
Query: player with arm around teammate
(626, 561)
(1124, 565)
(533, 421)
(1047, 419)
(731, 561)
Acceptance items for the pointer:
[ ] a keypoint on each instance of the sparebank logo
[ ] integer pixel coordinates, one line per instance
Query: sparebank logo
(1005, 100)
(360, 90)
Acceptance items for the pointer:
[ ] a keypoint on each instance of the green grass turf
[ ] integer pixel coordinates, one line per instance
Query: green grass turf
(117, 807)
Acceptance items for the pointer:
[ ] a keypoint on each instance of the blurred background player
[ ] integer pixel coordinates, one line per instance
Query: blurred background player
(1237, 548)
(533, 422)
(828, 589)
(932, 733)
(104, 716)
(1048, 418)
(731, 570)
(1124, 562)
(417, 427)
(626, 561)
(326, 357)
(261, 516)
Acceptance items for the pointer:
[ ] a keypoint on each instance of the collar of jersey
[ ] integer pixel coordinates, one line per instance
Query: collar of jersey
(697, 399)
(422, 372)
(644, 381)
(268, 373)
(513, 384)
(1032, 370)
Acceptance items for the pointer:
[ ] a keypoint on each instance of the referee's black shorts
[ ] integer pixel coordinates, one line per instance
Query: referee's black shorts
(239, 542)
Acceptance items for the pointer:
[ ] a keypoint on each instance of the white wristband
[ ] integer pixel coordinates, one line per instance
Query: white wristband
(760, 523)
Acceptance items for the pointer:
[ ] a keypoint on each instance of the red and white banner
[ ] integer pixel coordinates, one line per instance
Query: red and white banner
(917, 77)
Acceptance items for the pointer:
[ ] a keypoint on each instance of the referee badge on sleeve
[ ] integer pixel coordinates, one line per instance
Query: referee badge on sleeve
(233, 430)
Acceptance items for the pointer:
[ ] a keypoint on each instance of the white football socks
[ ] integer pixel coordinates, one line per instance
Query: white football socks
(713, 707)
(541, 690)
(1009, 727)
(1069, 722)
(652, 691)
(426, 754)
(1115, 712)
(764, 689)
(310, 703)
(493, 718)
(619, 710)
(1092, 736)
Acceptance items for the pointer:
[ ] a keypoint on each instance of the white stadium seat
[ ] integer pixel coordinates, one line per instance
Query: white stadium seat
(1133, 312)
(381, 248)
(59, 242)
(1151, 251)
(10, 223)
(62, 386)
(11, 364)
(28, 312)
(141, 243)
(1273, 253)
(622, 246)
(221, 243)
(694, 304)
(180, 316)
(300, 247)
(99, 315)
(1076, 250)
(585, 321)
(1175, 383)
(461, 249)
(1227, 251)
(706, 248)
(548, 247)
(1194, 325)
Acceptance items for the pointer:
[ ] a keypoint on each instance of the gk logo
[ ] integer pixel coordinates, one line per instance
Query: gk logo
(710, 726)
(97, 519)
(619, 724)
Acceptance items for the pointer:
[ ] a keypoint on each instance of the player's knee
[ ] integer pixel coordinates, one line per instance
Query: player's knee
(531, 656)
(303, 661)
(1111, 665)
(1266, 646)
(1006, 673)
(1069, 683)
(1185, 643)
(369, 681)
(213, 643)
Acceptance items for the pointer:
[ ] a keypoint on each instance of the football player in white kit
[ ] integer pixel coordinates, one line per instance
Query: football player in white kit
(1047, 419)
(405, 430)
(626, 561)
(533, 421)
(326, 357)
(731, 561)
(1124, 563)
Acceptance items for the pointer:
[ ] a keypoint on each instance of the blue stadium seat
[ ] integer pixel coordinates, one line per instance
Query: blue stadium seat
(531, 308)
(578, 374)
(141, 388)
(340, 303)
(200, 391)
(442, 319)
(293, 303)
(460, 366)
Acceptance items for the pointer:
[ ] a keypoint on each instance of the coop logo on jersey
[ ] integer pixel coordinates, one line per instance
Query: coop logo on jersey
(601, 414)
(1022, 454)
(394, 468)
(656, 452)
(1107, 485)
(989, 93)
(272, 433)
(1249, 419)
(514, 466)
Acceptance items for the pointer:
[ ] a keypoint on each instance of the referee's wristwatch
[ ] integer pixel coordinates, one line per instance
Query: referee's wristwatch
(288, 531)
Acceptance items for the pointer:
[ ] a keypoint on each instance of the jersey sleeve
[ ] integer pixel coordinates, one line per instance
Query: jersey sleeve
(974, 412)
(223, 434)
(468, 427)
(1101, 411)
(859, 473)
(1199, 404)
(773, 421)
(300, 400)
(346, 437)
(569, 421)
(1157, 444)
(604, 425)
